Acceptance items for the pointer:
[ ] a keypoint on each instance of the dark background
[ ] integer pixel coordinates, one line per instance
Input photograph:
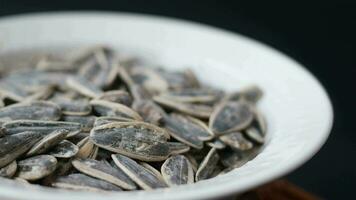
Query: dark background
(320, 36)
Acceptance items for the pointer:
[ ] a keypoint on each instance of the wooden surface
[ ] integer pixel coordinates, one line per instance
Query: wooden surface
(278, 190)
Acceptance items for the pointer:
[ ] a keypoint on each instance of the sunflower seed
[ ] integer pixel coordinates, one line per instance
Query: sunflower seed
(36, 167)
(64, 149)
(193, 162)
(230, 117)
(254, 135)
(236, 140)
(179, 80)
(149, 79)
(193, 95)
(73, 107)
(150, 111)
(83, 87)
(139, 174)
(87, 122)
(50, 140)
(107, 108)
(106, 120)
(177, 148)
(83, 182)
(196, 110)
(13, 146)
(207, 166)
(41, 94)
(37, 110)
(186, 130)
(105, 172)
(137, 140)
(44, 127)
(86, 148)
(152, 170)
(117, 96)
(217, 144)
(9, 170)
(177, 170)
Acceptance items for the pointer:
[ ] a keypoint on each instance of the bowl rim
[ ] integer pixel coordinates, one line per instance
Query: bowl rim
(13, 193)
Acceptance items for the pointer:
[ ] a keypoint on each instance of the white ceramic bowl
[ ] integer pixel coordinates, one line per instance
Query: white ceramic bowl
(297, 109)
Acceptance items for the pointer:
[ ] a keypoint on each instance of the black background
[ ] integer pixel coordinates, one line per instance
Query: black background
(320, 36)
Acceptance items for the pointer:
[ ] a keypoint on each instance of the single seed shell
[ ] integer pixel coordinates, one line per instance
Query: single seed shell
(150, 111)
(64, 149)
(43, 127)
(87, 122)
(36, 167)
(74, 107)
(177, 170)
(83, 182)
(106, 120)
(207, 166)
(117, 96)
(83, 86)
(177, 148)
(139, 174)
(196, 110)
(104, 172)
(49, 141)
(36, 110)
(9, 170)
(107, 108)
(137, 140)
(230, 116)
(236, 140)
(13, 146)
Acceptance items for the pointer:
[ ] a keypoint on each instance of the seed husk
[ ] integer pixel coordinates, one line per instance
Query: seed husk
(177, 170)
(87, 122)
(153, 170)
(106, 120)
(143, 177)
(105, 172)
(64, 149)
(86, 148)
(137, 140)
(79, 181)
(236, 140)
(196, 110)
(13, 146)
(177, 148)
(74, 107)
(152, 81)
(107, 108)
(231, 116)
(83, 86)
(9, 170)
(117, 96)
(36, 110)
(193, 95)
(44, 127)
(36, 167)
(207, 166)
(47, 142)
(217, 144)
(150, 111)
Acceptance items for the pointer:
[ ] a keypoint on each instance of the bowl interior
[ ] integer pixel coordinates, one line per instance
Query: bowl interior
(297, 109)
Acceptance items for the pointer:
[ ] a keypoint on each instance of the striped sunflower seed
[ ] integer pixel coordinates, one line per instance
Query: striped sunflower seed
(64, 149)
(36, 167)
(177, 170)
(107, 108)
(9, 170)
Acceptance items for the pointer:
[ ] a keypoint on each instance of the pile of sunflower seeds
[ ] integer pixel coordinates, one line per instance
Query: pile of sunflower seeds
(95, 120)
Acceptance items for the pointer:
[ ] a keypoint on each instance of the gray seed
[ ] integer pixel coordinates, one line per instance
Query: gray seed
(152, 170)
(193, 95)
(251, 94)
(150, 111)
(177, 170)
(149, 79)
(196, 110)
(106, 120)
(73, 107)
(254, 135)
(41, 94)
(83, 86)
(104, 172)
(193, 162)
(207, 166)
(117, 96)
(49, 141)
(87, 122)
(236, 140)
(64, 149)
(230, 116)
(83, 182)
(177, 148)
(13, 146)
(217, 144)
(86, 148)
(36, 167)
(139, 174)
(44, 127)
(107, 108)
(137, 140)
(37, 110)
(9, 170)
